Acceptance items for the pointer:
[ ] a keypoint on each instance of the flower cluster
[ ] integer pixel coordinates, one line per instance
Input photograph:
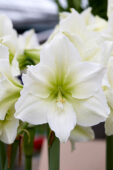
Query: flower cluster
(68, 83)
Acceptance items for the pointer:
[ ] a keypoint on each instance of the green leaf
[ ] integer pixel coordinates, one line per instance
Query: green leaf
(28, 148)
(53, 151)
(109, 152)
(2, 155)
(99, 7)
(76, 4)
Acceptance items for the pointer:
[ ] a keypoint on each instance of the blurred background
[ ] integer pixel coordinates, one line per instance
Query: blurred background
(42, 15)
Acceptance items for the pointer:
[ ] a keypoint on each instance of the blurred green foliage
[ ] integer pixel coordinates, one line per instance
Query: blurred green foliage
(76, 4)
(99, 7)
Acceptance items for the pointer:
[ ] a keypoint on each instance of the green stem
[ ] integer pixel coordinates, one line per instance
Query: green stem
(28, 148)
(60, 7)
(28, 162)
(2, 155)
(109, 152)
(53, 153)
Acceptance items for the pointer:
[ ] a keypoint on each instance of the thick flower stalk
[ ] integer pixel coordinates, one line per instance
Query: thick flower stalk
(62, 91)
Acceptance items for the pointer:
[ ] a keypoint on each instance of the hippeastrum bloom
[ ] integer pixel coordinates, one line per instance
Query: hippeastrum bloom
(62, 91)
(108, 89)
(81, 134)
(9, 93)
(94, 23)
(82, 33)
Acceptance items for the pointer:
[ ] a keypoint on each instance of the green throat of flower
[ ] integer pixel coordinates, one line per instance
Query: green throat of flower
(61, 89)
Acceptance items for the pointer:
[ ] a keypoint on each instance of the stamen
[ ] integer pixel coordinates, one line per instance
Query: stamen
(60, 101)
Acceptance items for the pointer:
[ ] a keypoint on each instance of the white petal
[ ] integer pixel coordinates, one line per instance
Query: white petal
(31, 109)
(7, 102)
(109, 95)
(28, 40)
(109, 124)
(88, 79)
(69, 24)
(110, 8)
(6, 26)
(4, 53)
(37, 80)
(92, 111)
(9, 131)
(62, 121)
(15, 67)
(11, 41)
(110, 71)
(105, 53)
(9, 93)
(59, 52)
(81, 134)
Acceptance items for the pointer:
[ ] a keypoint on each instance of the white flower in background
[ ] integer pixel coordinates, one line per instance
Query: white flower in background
(9, 38)
(89, 42)
(108, 32)
(9, 93)
(16, 44)
(108, 89)
(62, 90)
(81, 134)
(28, 40)
(94, 23)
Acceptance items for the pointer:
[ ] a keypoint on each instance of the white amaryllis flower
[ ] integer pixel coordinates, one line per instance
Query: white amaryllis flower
(62, 90)
(77, 27)
(94, 23)
(108, 89)
(81, 134)
(9, 93)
